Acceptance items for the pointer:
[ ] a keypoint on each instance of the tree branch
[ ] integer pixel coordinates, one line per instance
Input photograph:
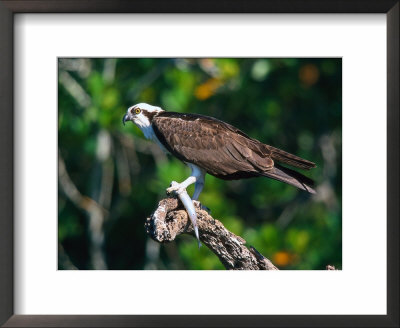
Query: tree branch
(170, 219)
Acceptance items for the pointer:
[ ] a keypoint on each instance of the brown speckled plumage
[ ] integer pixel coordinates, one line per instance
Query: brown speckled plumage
(224, 151)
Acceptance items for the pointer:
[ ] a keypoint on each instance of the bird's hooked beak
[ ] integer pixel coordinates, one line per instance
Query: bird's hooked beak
(125, 118)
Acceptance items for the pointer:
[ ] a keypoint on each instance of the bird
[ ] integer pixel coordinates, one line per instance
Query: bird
(208, 145)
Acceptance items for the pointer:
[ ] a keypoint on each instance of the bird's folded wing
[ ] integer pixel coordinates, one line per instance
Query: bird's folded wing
(215, 146)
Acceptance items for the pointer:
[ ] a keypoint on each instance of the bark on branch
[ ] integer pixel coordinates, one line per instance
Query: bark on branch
(170, 219)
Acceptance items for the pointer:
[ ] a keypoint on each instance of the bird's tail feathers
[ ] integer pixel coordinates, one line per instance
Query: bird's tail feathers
(290, 159)
(291, 177)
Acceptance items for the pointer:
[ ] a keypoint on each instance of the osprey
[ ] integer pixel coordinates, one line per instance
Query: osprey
(208, 145)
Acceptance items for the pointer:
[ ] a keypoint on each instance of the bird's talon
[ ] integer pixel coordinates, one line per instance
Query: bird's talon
(175, 189)
(173, 192)
(201, 206)
(205, 208)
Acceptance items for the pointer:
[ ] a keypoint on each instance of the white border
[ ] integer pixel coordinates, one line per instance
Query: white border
(359, 289)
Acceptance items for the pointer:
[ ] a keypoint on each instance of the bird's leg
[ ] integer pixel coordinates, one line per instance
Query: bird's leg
(178, 188)
(198, 187)
(197, 177)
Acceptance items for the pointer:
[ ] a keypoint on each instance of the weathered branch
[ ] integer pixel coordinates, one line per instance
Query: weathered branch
(170, 219)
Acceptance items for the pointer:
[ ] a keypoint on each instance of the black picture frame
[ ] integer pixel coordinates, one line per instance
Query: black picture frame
(7, 11)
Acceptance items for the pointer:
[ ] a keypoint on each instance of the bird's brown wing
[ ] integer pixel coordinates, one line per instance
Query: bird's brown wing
(217, 147)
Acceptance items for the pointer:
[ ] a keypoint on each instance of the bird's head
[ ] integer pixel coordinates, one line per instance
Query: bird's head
(141, 114)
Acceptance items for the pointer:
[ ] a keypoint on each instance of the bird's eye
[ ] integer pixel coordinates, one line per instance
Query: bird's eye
(137, 111)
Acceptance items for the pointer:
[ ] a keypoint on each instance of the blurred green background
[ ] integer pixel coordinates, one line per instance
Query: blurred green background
(111, 178)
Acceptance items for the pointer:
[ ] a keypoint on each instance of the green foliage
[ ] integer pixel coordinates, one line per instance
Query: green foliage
(293, 104)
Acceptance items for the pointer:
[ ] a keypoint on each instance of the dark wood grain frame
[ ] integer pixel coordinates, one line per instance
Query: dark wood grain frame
(7, 11)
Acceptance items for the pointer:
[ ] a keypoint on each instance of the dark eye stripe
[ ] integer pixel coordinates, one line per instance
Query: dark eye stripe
(149, 115)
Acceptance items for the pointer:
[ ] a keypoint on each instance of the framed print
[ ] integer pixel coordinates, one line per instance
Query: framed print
(318, 85)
